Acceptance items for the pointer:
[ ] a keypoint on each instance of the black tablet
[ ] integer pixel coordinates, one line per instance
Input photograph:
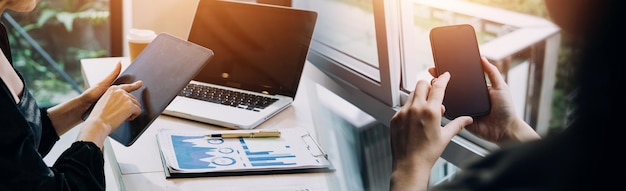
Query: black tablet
(165, 66)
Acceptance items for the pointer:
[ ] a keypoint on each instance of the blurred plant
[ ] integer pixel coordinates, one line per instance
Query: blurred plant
(68, 30)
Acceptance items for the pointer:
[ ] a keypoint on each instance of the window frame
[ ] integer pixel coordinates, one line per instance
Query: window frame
(362, 75)
(381, 99)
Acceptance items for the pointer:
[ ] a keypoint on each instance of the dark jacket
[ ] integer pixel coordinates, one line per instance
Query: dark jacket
(23, 145)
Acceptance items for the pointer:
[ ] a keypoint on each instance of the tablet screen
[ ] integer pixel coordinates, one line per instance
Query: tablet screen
(165, 66)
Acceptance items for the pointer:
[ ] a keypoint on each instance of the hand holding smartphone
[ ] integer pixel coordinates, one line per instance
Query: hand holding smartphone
(455, 50)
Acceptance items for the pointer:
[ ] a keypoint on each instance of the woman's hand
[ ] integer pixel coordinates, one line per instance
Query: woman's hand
(91, 95)
(114, 106)
(502, 123)
(417, 138)
(112, 109)
(68, 114)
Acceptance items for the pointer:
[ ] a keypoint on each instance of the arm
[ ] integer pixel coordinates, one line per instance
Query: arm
(114, 105)
(417, 138)
(81, 166)
(417, 141)
(67, 115)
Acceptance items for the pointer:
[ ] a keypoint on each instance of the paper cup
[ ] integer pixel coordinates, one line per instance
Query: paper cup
(138, 39)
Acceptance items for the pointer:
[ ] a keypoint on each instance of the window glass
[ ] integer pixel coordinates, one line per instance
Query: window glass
(48, 43)
(516, 36)
(490, 18)
(346, 28)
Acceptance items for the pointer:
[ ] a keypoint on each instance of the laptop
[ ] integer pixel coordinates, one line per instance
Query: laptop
(260, 52)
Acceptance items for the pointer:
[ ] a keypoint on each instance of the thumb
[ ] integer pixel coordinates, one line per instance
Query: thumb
(454, 127)
(106, 82)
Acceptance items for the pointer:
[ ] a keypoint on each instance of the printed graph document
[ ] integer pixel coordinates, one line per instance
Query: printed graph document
(193, 154)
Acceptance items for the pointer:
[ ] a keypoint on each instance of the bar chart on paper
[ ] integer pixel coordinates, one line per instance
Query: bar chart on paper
(197, 152)
(192, 152)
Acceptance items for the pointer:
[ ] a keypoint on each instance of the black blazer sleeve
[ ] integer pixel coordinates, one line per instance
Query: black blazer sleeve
(48, 134)
(80, 167)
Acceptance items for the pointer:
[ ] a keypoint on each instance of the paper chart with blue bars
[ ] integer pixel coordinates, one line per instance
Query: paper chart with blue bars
(192, 152)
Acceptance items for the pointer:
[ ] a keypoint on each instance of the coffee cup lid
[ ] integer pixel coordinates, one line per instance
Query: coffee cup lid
(141, 35)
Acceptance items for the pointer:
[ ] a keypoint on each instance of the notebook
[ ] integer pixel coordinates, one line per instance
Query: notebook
(260, 50)
(160, 68)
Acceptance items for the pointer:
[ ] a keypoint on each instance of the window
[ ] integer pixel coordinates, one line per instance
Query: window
(523, 46)
(48, 43)
(515, 36)
(349, 41)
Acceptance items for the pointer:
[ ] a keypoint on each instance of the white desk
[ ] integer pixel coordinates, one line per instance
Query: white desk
(138, 167)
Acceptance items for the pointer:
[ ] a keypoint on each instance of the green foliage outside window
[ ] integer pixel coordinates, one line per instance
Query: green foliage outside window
(68, 30)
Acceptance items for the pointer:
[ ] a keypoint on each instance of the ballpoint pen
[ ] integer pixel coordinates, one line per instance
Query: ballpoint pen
(245, 134)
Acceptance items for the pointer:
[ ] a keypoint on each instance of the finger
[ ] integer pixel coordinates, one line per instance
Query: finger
(136, 112)
(135, 106)
(433, 71)
(455, 126)
(494, 75)
(443, 109)
(438, 89)
(112, 76)
(131, 87)
(133, 99)
(421, 91)
(409, 100)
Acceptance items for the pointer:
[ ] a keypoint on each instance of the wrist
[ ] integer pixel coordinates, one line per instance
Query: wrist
(520, 131)
(94, 130)
(83, 102)
(411, 175)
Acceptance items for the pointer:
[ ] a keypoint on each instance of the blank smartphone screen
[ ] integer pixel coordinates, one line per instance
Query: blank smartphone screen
(455, 50)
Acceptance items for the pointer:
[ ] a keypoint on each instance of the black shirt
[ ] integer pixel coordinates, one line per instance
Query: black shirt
(562, 162)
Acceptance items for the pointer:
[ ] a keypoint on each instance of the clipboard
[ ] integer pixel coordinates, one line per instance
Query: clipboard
(188, 154)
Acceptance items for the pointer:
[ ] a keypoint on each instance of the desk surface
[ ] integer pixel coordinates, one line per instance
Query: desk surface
(140, 165)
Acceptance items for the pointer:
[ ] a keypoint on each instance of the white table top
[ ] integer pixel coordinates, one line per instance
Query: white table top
(140, 164)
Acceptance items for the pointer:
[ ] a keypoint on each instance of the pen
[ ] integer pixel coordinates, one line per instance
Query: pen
(245, 134)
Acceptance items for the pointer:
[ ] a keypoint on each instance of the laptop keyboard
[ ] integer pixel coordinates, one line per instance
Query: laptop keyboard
(227, 97)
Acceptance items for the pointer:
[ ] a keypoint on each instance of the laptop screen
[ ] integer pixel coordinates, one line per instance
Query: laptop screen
(257, 47)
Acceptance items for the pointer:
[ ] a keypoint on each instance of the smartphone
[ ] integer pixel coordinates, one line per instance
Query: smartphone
(455, 50)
